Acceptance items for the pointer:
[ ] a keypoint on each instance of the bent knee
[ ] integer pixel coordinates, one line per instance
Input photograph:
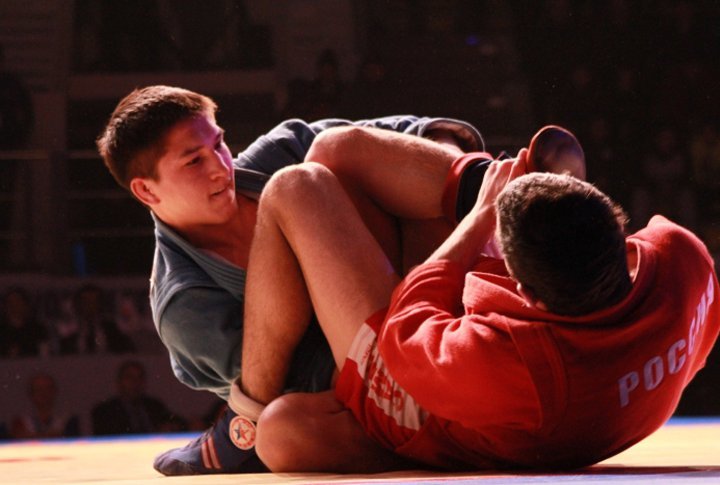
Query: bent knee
(291, 185)
(281, 434)
(334, 144)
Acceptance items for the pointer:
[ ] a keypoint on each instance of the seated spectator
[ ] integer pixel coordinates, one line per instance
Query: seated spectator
(17, 117)
(327, 88)
(664, 188)
(132, 410)
(705, 157)
(133, 319)
(21, 333)
(371, 94)
(92, 329)
(320, 97)
(42, 420)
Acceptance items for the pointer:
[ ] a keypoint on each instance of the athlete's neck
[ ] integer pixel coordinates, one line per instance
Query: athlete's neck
(230, 240)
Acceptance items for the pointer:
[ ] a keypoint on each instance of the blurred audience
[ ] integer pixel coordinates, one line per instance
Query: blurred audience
(133, 319)
(705, 159)
(17, 115)
(22, 334)
(42, 420)
(168, 35)
(647, 92)
(320, 97)
(664, 186)
(136, 46)
(132, 410)
(371, 93)
(91, 328)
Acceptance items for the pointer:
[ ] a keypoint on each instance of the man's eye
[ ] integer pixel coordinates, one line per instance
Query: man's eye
(193, 161)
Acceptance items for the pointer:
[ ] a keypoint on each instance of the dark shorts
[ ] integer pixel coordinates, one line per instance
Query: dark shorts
(313, 364)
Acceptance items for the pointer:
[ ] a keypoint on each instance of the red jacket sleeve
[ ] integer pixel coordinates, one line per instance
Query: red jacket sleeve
(459, 367)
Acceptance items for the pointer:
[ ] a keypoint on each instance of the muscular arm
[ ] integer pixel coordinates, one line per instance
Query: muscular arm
(427, 331)
(476, 230)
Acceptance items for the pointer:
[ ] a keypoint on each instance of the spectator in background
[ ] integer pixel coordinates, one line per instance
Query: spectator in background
(580, 94)
(198, 38)
(600, 153)
(16, 109)
(664, 188)
(133, 319)
(322, 96)
(21, 333)
(132, 410)
(92, 329)
(42, 420)
(705, 161)
(626, 107)
(140, 44)
(327, 89)
(371, 94)
(705, 156)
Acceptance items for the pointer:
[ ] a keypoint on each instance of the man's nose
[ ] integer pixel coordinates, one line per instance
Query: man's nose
(217, 165)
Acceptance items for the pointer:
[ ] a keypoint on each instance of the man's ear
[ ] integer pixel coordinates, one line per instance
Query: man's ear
(529, 296)
(143, 191)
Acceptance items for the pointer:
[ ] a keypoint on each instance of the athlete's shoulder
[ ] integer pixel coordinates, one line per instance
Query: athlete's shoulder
(662, 231)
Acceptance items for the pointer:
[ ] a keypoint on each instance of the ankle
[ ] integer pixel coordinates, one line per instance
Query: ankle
(243, 405)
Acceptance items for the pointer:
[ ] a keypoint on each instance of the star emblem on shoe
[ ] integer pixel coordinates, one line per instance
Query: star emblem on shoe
(242, 432)
(227, 447)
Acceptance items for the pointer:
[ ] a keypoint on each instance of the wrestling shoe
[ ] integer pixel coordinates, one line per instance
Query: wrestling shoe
(227, 447)
(556, 150)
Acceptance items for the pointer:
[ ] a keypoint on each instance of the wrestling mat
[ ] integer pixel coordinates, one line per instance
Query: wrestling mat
(686, 450)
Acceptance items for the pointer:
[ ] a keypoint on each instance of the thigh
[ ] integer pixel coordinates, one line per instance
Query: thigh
(384, 227)
(347, 273)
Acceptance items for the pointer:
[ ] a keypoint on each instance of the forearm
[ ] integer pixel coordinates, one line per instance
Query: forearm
(474, 232)
(403, 174)
(468, 239)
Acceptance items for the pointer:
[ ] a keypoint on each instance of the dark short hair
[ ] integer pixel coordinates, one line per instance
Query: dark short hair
(564, 240)
(130, 364)
(131, 142)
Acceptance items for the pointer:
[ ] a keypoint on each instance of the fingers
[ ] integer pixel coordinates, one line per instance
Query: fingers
(498, 175)
(522, 163)
(512, 168)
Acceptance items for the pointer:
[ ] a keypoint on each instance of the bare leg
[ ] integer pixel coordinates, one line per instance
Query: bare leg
(403, 174)
(309, 229)
(277, 313)
(315, 433)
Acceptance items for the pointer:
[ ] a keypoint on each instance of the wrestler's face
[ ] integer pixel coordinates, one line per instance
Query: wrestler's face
(195, 183)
